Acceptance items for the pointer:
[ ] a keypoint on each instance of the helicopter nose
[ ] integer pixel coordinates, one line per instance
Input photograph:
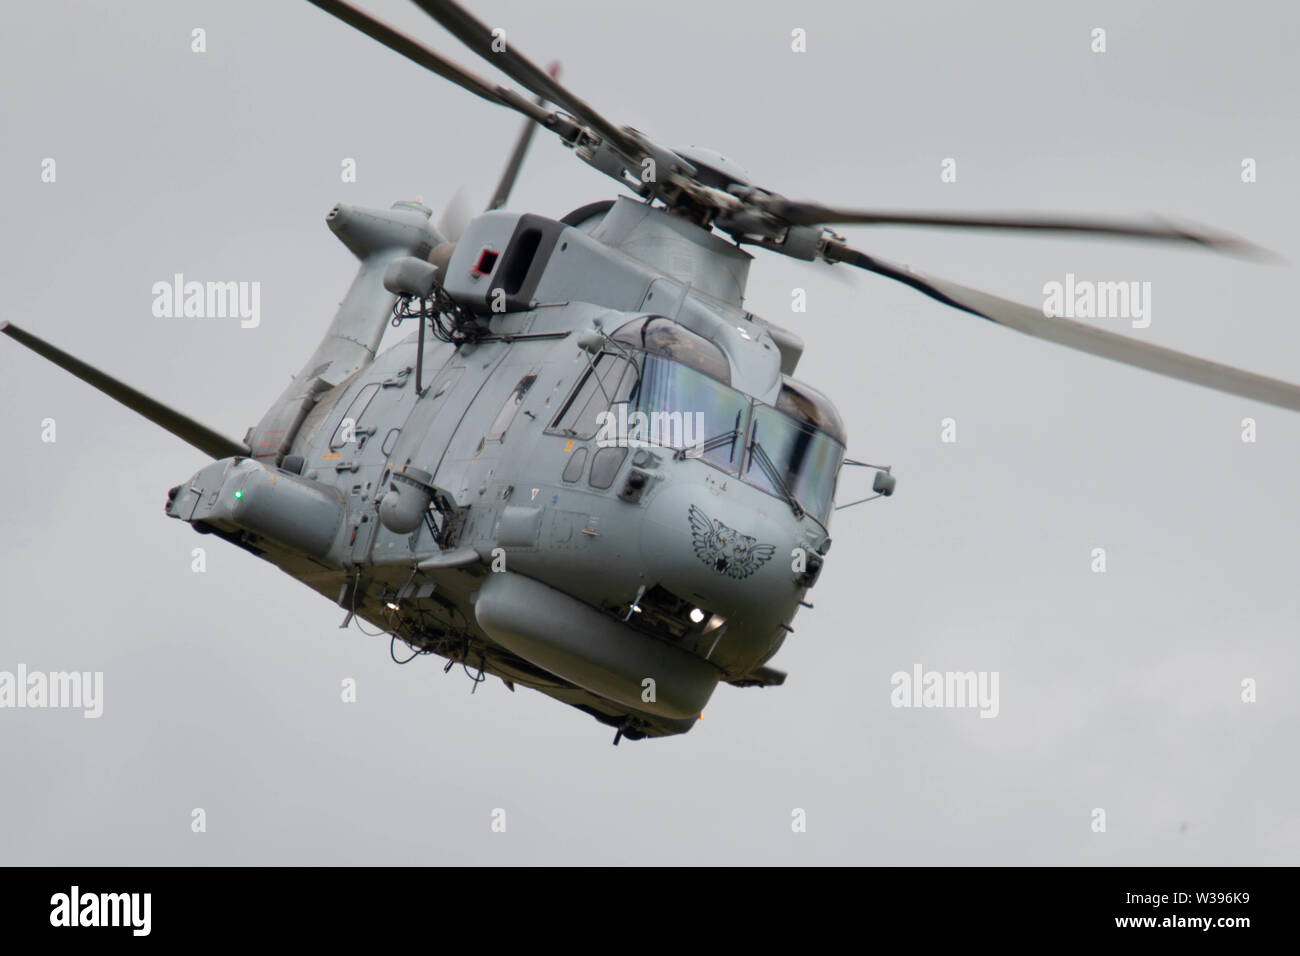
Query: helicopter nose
(722, 552)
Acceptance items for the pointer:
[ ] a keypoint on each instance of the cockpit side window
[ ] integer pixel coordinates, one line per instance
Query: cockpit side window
(608, 381)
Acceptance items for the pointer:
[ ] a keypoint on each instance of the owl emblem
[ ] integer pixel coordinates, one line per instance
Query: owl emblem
(725, 549)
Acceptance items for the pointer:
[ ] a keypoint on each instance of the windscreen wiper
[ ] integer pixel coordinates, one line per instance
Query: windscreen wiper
(773, 474)
(717, 441)
(699, 448)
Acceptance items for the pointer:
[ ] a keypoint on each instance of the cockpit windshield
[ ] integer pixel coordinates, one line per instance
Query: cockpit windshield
(797, 447)
(794, 450)
(790, 458)
(669, 386)
(681, 408)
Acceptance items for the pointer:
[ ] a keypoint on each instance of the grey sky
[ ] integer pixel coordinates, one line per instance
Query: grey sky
(1118, 690)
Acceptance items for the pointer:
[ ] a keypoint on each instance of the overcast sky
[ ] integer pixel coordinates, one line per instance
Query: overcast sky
(1120, 691)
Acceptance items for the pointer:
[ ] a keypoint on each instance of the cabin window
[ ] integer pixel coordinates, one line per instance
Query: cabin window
(510, 409)
(605, 465)
(348, 425)
(573, 467)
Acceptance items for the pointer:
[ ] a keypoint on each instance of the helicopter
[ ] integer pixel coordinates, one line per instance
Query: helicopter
(588, 469)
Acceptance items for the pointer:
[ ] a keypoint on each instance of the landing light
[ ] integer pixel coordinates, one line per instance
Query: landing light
(392, 606)
(696, 615)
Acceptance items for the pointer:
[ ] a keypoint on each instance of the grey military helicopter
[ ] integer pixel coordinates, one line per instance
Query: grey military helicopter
(588, 470)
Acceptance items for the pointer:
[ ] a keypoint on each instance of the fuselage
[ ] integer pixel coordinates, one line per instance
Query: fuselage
(620, 524)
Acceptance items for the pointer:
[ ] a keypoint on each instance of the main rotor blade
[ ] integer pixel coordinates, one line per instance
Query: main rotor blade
(431, 60)
(476, 35)
(182, 426)
(516, 160)
(1076, 335)
(811, 214)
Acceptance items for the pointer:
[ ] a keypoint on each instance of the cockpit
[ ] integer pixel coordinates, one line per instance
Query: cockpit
(659, 383)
